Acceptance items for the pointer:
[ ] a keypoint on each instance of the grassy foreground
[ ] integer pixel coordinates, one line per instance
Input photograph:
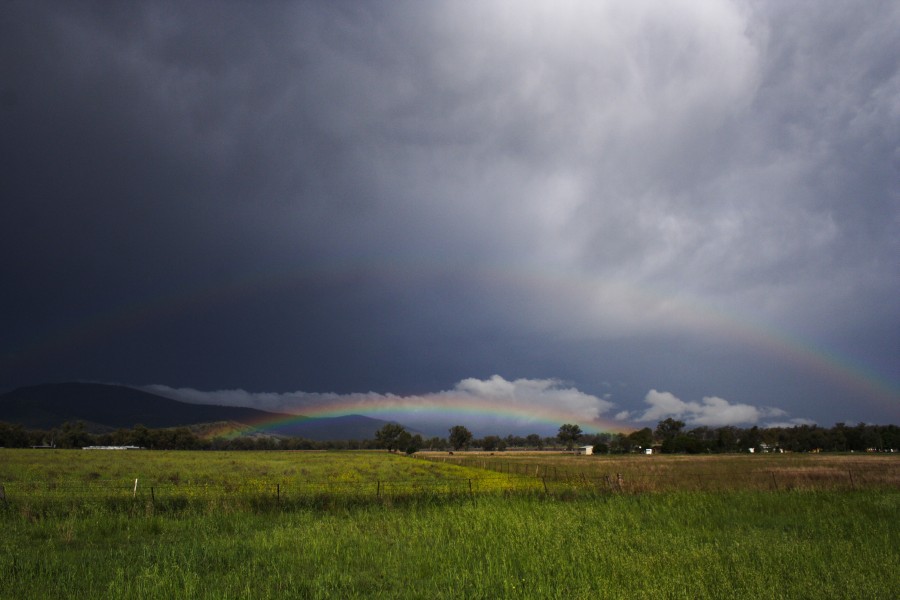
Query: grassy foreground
(679, 545)
(802, 543)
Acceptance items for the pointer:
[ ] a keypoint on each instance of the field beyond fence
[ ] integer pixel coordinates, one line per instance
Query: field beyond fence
(636, 473)
(151, 481)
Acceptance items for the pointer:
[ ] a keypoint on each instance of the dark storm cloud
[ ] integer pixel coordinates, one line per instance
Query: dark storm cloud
(401, 196)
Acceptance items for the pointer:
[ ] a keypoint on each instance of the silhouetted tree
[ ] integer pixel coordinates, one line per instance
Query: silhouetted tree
(569, 434)
(533, 440)
(390, 437)
(459, 437)
(642, 438)
(491, 443)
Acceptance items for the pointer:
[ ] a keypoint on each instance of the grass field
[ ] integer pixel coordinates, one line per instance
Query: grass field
(715, 472)
(687, 543)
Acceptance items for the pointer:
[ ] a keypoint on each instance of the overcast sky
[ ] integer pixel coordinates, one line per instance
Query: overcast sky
(614, 211)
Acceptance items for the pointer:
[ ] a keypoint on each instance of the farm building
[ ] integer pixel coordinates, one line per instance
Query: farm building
(586, 450)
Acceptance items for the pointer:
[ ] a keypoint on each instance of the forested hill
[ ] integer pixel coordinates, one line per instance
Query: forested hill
(103, 407)
(111, 406)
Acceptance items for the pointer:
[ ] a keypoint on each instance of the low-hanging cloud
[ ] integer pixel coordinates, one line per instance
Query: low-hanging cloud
(712, 411)
(486, 405)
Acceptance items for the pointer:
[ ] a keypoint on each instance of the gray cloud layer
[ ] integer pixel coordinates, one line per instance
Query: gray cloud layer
(400, 196)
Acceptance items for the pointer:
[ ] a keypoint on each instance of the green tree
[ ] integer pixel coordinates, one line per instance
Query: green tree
(414, 444)
(727, 439)
(460, 437)
(668, 429)
(642, 438)
(13, 435)
(569, 434)
(403, 440)
(752, 438)
(491, 443)
(533, 440)
(73, 435)
(140, 436)
(437, 443)
(391, 437)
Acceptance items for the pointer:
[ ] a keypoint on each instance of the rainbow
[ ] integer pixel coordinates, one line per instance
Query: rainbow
(436, 407)
(851, 375)
(863, 381)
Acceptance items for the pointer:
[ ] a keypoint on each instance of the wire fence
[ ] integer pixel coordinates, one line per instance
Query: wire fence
(253, 493)
(498, 478)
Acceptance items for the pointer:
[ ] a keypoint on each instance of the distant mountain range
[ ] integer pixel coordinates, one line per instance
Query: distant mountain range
(103, 407)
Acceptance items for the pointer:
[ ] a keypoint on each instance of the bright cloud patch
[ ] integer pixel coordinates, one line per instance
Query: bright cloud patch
(712, 411)
(495, 406)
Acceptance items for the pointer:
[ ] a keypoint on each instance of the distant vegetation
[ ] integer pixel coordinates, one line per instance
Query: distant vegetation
(669, 437)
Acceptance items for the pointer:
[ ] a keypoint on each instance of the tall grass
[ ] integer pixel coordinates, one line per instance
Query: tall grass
(217, 529)
(680, 545)
(73, 480)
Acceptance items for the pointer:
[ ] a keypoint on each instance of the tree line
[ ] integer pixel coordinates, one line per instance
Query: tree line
(669, 436)
(672, 436)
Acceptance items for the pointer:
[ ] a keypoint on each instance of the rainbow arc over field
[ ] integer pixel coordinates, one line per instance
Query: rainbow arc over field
(444, 408)
(861, 381)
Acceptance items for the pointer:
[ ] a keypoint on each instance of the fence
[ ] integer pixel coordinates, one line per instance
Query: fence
(503, 477)
(252, 494)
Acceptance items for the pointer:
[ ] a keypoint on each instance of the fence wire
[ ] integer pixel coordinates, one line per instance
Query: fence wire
(499, 478)
(38, 492)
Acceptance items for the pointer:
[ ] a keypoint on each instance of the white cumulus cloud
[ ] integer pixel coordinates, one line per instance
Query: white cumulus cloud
(711, 411)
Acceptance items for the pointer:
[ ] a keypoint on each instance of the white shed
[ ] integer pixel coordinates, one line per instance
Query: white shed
(586, 450)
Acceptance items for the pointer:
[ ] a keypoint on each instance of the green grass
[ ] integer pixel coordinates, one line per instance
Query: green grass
(680, 545)
(800, 543)
(162, 467)
(60, 481)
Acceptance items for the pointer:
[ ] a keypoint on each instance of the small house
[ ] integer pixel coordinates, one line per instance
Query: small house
(585, 450)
